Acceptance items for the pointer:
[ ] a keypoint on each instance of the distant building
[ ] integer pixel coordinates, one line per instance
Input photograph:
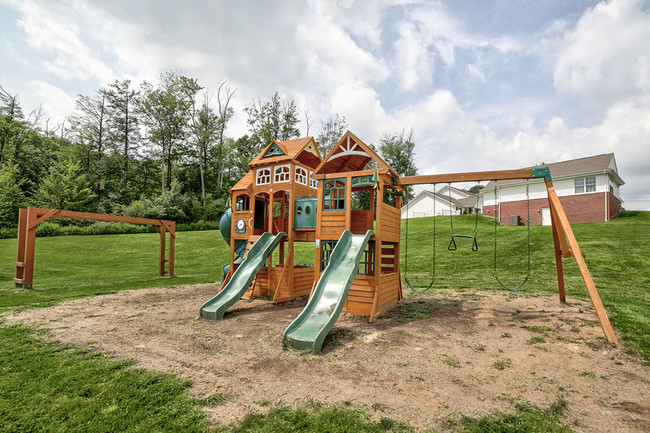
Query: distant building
(442, 202)
(588, 188)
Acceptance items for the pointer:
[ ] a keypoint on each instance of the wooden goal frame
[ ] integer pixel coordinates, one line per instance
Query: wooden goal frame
(31, 217)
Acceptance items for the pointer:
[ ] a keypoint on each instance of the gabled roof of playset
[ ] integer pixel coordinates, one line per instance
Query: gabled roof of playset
(244, 182)
(351, 154)
(299, 149)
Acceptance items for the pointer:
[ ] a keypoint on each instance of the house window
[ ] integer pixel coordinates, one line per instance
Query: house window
(584, 184)
(590, 184)
(263, 176)
(282, 173)
(334, 194)
(312, 182)
(301, 175)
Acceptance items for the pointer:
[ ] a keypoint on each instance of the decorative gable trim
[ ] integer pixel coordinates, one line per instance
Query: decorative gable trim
(274, 150)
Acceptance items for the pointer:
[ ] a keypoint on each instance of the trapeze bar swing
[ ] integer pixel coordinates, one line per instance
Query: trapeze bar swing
(452, 243)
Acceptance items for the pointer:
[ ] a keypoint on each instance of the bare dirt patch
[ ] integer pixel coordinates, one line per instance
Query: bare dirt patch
(421, 362)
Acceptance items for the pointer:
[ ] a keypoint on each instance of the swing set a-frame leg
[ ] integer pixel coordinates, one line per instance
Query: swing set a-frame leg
(562, 231)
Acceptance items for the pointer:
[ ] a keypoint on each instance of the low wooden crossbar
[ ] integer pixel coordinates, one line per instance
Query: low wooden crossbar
(564, 240)
(30, 218)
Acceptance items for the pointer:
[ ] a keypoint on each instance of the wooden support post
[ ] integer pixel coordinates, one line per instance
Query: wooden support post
(163, 235)
(558, 241)
(269, 262)
(289, 265)
(19, 280)
(277, 288)
(398, 205)
(30, 244)
(172, 248)
(348, 202)
(565, 230)
(377, 280)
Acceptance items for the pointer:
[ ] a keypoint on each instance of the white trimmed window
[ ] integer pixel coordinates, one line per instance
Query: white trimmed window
(312, 182)
(263, 176)
(282, 173)
(584, 184)
(301, 175)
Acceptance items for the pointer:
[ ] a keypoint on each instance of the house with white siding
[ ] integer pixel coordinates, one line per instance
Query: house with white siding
(588, 188)
(446, 200)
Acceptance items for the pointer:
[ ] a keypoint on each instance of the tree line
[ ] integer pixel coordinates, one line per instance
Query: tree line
(155, 150)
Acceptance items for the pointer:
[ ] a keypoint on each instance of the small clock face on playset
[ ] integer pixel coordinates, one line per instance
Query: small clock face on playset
(240, 227)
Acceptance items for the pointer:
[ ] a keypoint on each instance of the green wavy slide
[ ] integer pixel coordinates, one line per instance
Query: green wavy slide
(309, 329)
(242, 279)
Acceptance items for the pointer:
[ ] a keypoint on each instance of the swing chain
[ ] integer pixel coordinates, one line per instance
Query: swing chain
(433, 278)
(496, 221)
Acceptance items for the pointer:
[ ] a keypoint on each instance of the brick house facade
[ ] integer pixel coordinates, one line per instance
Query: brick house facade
(588, 189)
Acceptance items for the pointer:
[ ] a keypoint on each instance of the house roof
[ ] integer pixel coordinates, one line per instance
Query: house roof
(351, 154)
(463, 202)
(575, 167)
(290, 149)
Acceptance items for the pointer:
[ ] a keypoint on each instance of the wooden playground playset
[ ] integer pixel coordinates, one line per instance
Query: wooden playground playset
(291, 194)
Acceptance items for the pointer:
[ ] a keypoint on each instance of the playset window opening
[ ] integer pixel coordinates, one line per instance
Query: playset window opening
(301, 175)
(282, 174)
(366, 264)
(312, 182)
(334, 195)
(242, 203)
(263, 176)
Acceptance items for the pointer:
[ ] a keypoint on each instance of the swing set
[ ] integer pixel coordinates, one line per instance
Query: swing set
(564, 240)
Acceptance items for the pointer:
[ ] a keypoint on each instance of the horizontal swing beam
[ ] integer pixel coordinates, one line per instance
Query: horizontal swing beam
(475, 176)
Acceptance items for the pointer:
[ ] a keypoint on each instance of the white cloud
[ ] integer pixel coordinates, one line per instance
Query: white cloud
(414, 66)
(607, 55)
(57, 101)
(57, 36)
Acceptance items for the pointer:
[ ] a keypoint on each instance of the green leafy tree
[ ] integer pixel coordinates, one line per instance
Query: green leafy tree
(224, 95)
(331, 132)
(275, 119)
(65, 187)
(123, 124)
(90, 123)
(12, 197)
(205, 127)
(397, 149)
(165, 114)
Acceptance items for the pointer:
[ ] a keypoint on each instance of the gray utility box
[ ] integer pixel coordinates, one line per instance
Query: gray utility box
(515, 220)
(305, 213)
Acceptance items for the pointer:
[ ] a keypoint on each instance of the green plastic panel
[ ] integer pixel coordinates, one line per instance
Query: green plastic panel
(305, 212)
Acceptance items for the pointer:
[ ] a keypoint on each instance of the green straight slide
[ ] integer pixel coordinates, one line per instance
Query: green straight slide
(309, 329)
(243, 277)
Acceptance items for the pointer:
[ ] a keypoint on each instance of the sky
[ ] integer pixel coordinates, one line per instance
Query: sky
(485, 84)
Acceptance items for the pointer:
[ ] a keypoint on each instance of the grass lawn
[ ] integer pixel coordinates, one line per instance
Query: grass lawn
(48, 386)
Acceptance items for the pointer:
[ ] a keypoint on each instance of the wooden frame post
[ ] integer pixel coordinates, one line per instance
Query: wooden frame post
(564, 231)
(30, 218)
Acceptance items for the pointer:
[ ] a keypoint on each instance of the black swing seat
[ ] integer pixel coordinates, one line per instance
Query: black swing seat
(452, 243)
